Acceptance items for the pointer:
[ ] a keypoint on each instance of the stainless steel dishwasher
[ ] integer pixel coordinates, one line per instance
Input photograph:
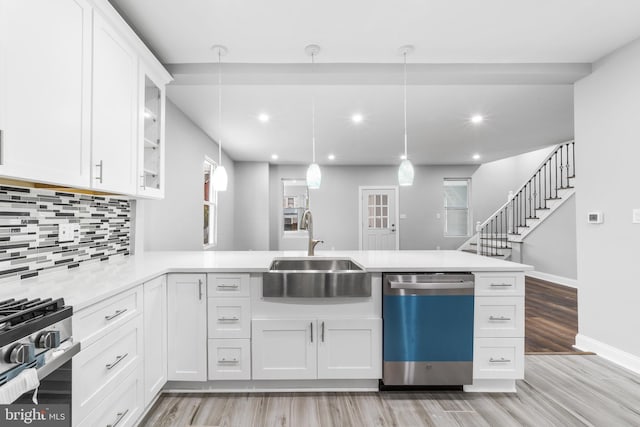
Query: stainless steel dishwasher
(428, 329)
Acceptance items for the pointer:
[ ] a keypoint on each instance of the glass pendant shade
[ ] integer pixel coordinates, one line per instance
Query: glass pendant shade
(314, 176)
(220, 179)
(405, 173)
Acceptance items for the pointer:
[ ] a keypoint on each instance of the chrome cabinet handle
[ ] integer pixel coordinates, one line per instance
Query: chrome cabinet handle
(199, 289)
(501, 360)
(322, 331)
(144, 182)
(501, 285)
(228, 319)
(114, 315)
(311, 324)
(118, 360)
(101, 166)
(119, 417)
(227, 286)
(499, 318)
(223, 360)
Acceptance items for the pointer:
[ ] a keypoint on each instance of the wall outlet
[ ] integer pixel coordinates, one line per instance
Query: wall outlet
(636, 216)
(403, 216)
(595, 217)
(67, 232)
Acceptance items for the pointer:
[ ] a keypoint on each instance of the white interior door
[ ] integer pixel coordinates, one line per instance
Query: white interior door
(379, 225)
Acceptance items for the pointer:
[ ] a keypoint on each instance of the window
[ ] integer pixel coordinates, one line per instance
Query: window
(457, 221)
(295, 200)
(210, 206)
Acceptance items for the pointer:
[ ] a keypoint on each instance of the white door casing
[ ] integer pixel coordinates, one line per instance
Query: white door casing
(378, 220)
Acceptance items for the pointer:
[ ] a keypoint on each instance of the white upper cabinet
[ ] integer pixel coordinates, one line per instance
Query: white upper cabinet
(75, 83)
(151, 148)
(115, 98)
(45, 71)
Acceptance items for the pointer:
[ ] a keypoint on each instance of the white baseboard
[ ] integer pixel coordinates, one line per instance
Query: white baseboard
(565, 281)
(613, 354)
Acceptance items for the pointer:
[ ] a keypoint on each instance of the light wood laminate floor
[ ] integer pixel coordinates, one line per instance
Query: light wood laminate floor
(556, 391)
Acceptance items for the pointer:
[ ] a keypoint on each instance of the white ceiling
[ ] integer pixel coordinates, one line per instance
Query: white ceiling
(512, 61)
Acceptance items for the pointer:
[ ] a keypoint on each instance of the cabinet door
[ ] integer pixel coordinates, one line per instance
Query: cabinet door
(350, 348)
(151, 149)
(187, 315)
(45, 89)
(155, 337)
(284, 349)
(115, 112)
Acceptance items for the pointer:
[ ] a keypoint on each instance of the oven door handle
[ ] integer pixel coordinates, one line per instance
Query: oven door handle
(58, 361)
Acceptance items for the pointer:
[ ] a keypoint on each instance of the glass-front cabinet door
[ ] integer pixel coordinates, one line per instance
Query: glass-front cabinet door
(152, 150)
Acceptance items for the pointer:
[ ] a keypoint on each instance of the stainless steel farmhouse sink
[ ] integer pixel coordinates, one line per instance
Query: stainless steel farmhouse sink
(315, 278)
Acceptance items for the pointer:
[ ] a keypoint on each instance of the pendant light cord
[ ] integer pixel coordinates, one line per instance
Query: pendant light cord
(220, 106)
(313, 114)
(405, 105)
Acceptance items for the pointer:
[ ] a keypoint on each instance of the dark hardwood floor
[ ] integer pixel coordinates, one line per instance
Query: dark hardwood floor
(551, 318)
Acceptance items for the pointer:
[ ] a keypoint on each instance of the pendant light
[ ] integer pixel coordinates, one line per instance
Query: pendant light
(405, 171)
(220, 178)
(314, 176)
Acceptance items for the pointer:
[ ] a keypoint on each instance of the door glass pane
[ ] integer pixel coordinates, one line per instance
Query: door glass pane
(378, 211)
(371, 222)
(385, 211)
(384, 223)
(371, 211)
(372, 200)
(384, 199)
(378, 199)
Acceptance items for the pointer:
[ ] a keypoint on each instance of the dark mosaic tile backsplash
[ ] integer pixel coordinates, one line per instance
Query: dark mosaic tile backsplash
(29, 219)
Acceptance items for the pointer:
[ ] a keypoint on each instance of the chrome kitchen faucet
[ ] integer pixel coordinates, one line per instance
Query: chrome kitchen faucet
(307, 224)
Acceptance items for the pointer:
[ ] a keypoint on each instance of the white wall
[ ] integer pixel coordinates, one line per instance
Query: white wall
(551, 247)
(176, 222)
(607, 111)
(251, 206)
(335, 205)
(493, 181)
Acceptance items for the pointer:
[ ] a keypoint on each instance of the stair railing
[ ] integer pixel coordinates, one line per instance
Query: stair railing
(552, 175)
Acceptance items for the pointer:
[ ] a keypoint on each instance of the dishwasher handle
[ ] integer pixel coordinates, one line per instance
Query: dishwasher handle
(460, 284)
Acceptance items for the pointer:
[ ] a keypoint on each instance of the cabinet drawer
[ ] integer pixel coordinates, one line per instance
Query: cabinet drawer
(95, 321)
(229, 318)
(498, 358)
(502, 284)
(229, 359)
(122, 407)
(98, 370)
(499, 317)
(228, 285)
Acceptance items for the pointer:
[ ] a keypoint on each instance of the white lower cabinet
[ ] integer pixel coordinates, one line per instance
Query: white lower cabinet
(187, 335)
(284, 349)
(498, 346)
(155, 337)
(100, 368)
(122, 408)
(229, 359)
(350, 348)
(498, 358)
(297, 349)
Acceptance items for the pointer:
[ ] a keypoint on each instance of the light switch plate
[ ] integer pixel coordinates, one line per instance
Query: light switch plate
(66, 232)
(403, 216)
(636, 216)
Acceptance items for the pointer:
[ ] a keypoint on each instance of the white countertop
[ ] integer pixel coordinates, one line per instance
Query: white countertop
(92, 282)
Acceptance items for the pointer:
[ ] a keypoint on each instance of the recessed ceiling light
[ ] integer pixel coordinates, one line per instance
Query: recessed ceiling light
(477, 119)
(263, 117)
(331, 157)
(274, 156)
(476, 156)
(357, 118)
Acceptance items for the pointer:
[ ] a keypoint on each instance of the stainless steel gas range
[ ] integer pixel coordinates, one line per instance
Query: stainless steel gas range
(37, 334)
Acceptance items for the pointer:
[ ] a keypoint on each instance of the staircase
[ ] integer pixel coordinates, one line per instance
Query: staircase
(550, 186)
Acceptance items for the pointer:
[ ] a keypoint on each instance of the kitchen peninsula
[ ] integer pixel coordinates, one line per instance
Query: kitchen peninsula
(194, 321)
